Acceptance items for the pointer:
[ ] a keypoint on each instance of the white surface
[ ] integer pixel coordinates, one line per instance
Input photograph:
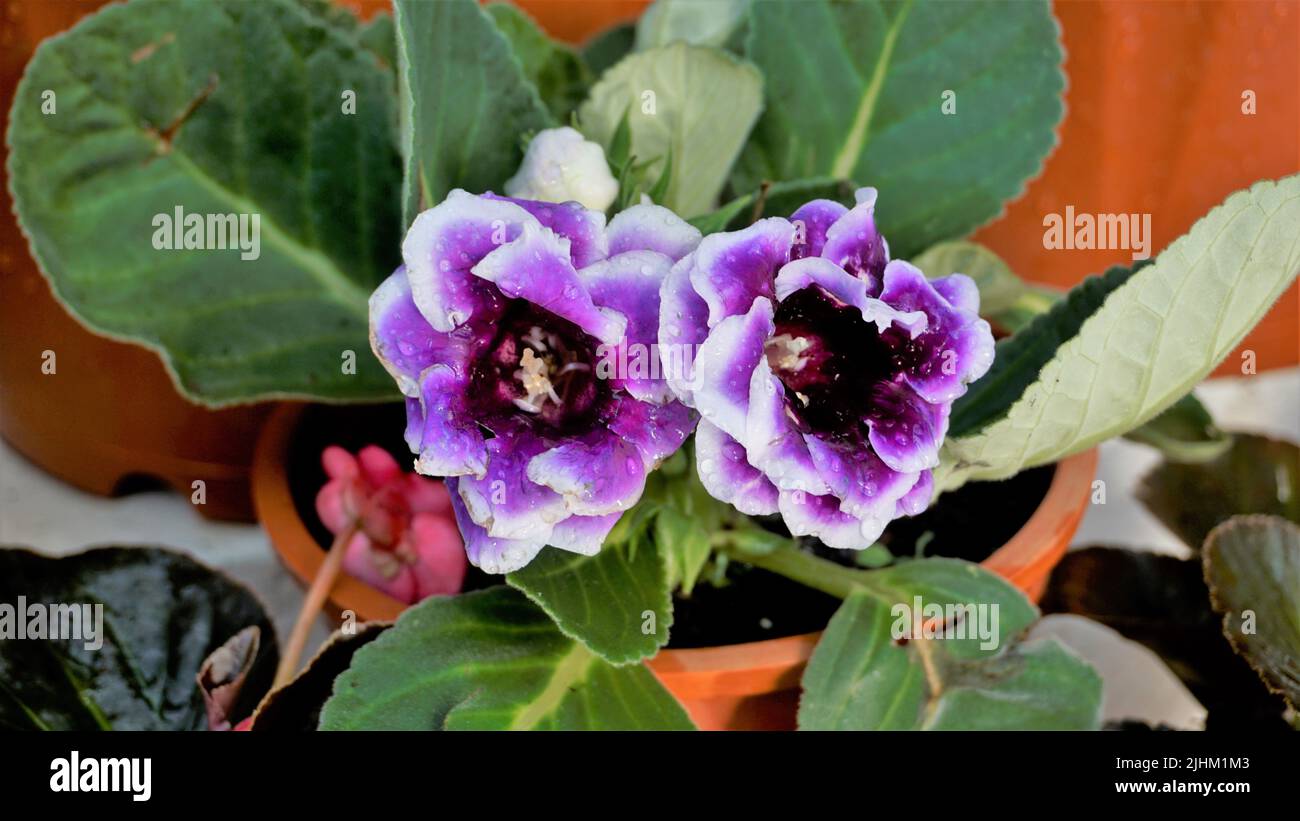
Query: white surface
(40, 512)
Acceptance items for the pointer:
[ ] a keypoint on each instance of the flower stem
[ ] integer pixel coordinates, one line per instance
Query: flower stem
(811, 571)
(311, 606)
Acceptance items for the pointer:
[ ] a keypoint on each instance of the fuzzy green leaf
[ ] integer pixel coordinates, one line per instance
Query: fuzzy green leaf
(491, 660)
(1156, 335)
(698, 102)
(858, 91)
(159, 106)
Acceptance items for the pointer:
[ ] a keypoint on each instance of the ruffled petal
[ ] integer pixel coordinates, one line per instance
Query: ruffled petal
(956, 347)
(584, 228)
(905, 430)
(596, 475)
(629, 283)
(868, 489)
(811, 222)
(733, 269)
(917, 499)
(444, 243)
(845, 288)
(491, 554)
(727, 475)
(725, 366)
(439, 429)
(583, 534)
(656, 430)
(379, 570)
(650, 227)
(854, 244)
(536, 267)
(683, 326)
(773, 441)
(960, 291)
(806, 514)
(505, 502)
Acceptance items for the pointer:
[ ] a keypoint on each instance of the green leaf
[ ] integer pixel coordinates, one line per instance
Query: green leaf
(1154, 338)
(166, 105)
(714, 23)
(163, 614)
(608, 47)
(699, 103)
(1252, 565)
(778, 200)
(1254, 475)
(380, 37)
(860, 678)
(557, 71)
(856, 91)
(465, 100)
(615, 602)
(1184, 432)
(491, 660)
(685, 546)
(1020, 358)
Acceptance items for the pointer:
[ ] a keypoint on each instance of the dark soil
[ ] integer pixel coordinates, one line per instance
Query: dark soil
(969, 523)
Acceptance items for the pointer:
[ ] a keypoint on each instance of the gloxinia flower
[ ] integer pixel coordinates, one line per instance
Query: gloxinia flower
(406, 542)
(561, 165)
(825, 373)
(496, 328)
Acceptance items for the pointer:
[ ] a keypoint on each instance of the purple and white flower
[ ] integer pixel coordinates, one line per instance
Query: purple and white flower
(493, 328)
(825, 373)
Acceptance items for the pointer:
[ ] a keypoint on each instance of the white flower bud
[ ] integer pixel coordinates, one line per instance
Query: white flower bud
(560, 166)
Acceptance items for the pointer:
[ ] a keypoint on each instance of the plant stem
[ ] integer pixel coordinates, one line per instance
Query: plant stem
(809, 570)
(311, 606)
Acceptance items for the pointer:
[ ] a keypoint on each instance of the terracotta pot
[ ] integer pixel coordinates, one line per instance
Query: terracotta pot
(743, 686)
(108, 419)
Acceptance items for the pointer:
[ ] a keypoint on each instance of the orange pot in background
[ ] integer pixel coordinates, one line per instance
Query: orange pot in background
(751, 686)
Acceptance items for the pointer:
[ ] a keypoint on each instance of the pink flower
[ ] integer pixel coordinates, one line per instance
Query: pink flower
(406, 542)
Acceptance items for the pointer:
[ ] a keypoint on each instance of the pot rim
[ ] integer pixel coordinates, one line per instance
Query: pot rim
(699, 672)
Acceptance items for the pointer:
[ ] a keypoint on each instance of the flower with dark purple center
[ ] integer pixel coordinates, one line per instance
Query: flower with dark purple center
(823, 371)
(496, 328)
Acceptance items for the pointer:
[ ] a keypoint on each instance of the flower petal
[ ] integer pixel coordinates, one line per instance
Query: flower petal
(651, 228)
(956, 347)
(505, 501)
(448, 442)
(811, 222)
(584, 228)
(905, 430)
(725, 366)
(488, 553)
(960, 291)
(448, 240)
(806, 514)
(868, 489)
(656, 430)
(583, 534)
(596, 475)
(727, 475)
(683, 318)
(772, 439)
(846, 288)
(402, 339)
(917, 499)
(629, 283)
(854, 244)
(536, 267)
(732, 269)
